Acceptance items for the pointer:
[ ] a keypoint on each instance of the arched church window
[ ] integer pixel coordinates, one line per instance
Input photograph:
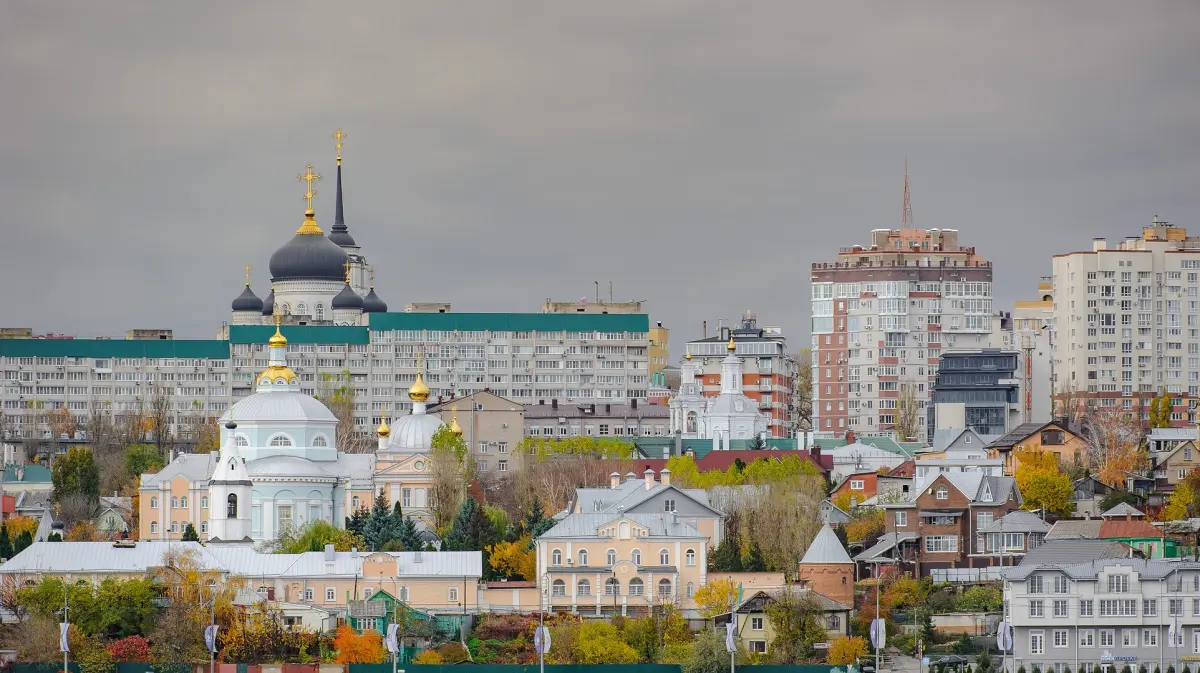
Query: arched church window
(320, 440)
(241, 440)
(231, 506)
(280, 440)
(301, 309)
(320, 311)
(287, 308)
(691, 421)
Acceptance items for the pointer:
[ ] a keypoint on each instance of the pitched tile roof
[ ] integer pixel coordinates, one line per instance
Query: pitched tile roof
(1122, 529)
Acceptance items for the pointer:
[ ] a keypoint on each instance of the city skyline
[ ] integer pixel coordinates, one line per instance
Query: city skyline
(496, 159)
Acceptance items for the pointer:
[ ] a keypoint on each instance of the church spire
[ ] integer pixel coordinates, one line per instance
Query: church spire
(340, 233)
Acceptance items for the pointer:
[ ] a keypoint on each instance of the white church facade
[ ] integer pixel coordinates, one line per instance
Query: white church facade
(727, 416)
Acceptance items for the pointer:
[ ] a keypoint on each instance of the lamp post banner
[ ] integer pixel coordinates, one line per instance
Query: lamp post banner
(541, 640)
(63, 645)
(392, 643)
(210, 637)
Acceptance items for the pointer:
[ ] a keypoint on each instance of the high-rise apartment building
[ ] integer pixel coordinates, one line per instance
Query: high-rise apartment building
(768, 369)
(881, 316)
(1127, 322)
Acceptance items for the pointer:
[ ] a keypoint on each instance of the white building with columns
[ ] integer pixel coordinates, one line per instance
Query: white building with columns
(730, 415)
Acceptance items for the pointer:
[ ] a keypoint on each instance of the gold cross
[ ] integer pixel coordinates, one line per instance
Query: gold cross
(309, 176)
(247, 275)
(347, 265)
(338, 135)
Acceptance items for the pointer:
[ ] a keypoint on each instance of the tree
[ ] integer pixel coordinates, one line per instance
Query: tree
(1160, 411)
(1051, 492)
(513, 560)
(980, 599)
(6, 547)
(76, 474)
(846, 650)
(191, 591)
(337, 393)
(757, 444)
(190, 534)
(376, 528)
(142, 459)
(447, 459)
(535, 521)
(22, 541)
(804, 382)
(798, 621)
(601, 643)
(709, 655)
(866, 526)
(716, 597)
(726, 557)
(408, 535)
(130, 648)
(1181, 501)
(471, 531)
(1114, 446)
(907, 427)
(1116, 497)
(159, 416)
(85, 531)
(356, 648)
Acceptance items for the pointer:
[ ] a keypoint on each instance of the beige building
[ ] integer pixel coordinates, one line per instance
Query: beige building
(1127, 321)
(552, 418)
(492, 426)
(660, 345)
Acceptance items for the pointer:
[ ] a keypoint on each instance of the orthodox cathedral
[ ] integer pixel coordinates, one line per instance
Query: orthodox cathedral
(279, 466)
(728, 415)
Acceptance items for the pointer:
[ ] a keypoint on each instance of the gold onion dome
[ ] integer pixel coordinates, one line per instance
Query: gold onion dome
(731, 347)
(419, 392)
(383, 430)
(687, 355)
(454, 426)
(278, 340)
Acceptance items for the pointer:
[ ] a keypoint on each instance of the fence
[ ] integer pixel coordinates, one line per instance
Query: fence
(47, 667)
(966, 575)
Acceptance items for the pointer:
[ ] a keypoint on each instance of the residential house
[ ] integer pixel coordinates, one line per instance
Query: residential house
(31, 478)
(935, 530)
(1010, 537)
(948, 439)
(831, 515)
(754, 629)
(622, 563)
(383, 609)
(1162, 440)
(862, 457)
(1098, 614)
(116, 513)
(906, 469)
(1122, 524)
(1088, 493)
(1054, 436)
(650, 496)
(855, 488)
(492, 426)
(1171, 467)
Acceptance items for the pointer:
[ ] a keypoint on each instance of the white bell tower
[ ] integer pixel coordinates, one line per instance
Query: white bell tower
(229, 493)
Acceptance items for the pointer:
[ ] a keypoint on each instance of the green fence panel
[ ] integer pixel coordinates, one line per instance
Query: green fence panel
(512, 668)
(142, 667)
(796, 668)
(42, 667)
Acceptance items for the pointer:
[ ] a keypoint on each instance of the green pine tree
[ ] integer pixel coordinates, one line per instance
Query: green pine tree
(375, 528)
(23, 540)
(535, 522)
(754, 562)
(409, 536)
(190, 535)
(6, 548)
(54, 537)
(356, 521)
(725, 558)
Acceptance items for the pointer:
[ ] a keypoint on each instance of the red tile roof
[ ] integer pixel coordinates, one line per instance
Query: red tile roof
(1121, 529)
(722, 460)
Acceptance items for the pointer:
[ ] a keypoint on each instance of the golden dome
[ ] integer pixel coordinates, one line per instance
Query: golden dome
(278, 340)
(275, 372)
(687, 355)
(419, 392)
(454, 426)
(383, 430)
(731, 347)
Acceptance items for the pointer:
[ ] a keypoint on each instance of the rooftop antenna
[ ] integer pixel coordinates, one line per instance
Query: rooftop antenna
(906, 216)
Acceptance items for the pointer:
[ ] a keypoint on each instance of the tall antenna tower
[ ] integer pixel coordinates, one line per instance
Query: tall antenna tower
(906, 218)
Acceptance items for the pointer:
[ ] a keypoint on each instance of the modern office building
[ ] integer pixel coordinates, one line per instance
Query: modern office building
(768, 369)
(1127, 322)
(980, 390)
(882, 315)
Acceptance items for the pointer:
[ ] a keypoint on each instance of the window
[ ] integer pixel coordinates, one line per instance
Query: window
(320, 440)
(583, 588)
(452, 594)
(612, 587)
(330, 595)
(901, 519)
(1087, 638)
(1128, 638)
(756, 623)
(502, 465)
(758, 646)
(558, 588)
(1121, 608)
(1175, 607)
(556, 557)
(623, 530)
(1149, 637)
(857, 485)
(1118, 584)
(690, 555)
(231, 506)
(367, 592)
(583, 557)
(204, 527)
(1107, 637)
(280, 440)
(1060, 608)
(636, 557)
(612, 557)
(174, 502)
(1037, 642)
(1087, 609)
(183, 502)
(153, 502)
(405, 497)
(308, 595)
(833, 623)
(1035, 584)
(668, 505)
(285, 516)
(241, 441)
(204, 502)
(665, 588)
(983, 520)
(941, 543)
(1037, 609)
(174, 526)
(1061, 585)
(636, 587)
(355, 503)
(942, 493)
(368, 624)
(153, 526)
(1150, 607)
(1060, 638)
(691, 590)
(664, 557)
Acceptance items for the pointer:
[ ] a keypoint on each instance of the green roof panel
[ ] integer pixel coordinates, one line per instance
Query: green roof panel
(300, 334)
(114, 348)
(512, 322)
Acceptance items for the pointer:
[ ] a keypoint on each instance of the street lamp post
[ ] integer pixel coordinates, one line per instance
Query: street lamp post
(878, 627)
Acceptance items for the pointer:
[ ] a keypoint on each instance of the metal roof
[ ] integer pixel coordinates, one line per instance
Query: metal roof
(629, 494)
(586, 525)
(1090, 569)
(826, 548)
(194, 467)
(1122, 510)
(101, 557)
(1068, 552)
(511, 322)
(116, 348)
(1018, 521)
(1077, 529)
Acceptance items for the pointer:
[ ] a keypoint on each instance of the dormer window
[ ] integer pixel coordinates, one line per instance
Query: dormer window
(942, 493)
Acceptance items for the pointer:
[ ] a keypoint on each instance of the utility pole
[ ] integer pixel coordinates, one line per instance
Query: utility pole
(66, 628)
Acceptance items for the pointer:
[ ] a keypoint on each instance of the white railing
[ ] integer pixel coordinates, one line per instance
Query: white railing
(965, 575)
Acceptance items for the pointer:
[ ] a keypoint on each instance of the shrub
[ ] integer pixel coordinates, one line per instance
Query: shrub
(428, 657)
(132, 648)
(1021, 668)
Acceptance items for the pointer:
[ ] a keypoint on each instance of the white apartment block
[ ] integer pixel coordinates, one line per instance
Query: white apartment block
(1127, 321)
(882, 315)
(524, 357)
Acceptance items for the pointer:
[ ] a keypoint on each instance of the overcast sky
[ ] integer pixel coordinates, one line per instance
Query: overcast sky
(699, 155)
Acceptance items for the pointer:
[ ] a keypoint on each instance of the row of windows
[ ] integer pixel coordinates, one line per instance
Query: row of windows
(179, 526)
(1107, 638)
(664, 557)
(331, 596)
(1124, 607)
(612, 587)
(179, 502)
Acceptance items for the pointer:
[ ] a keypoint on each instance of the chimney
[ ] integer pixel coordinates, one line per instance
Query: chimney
(665, 477)
(330, 553)
(850, 437)
(629, 476)
(649, 478)
(614, 480)
(1099, 244)
(1128, 516)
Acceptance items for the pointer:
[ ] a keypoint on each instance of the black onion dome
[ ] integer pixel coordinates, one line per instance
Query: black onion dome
(309, 257)
(347, 298)
(373, 304)
(248, 301)
(268, 307)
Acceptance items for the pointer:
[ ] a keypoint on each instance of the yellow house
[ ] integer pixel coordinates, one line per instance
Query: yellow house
(754, 626)
(1054, 437)
(621, 564)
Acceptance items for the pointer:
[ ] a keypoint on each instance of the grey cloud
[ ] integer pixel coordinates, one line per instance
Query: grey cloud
(700, 155)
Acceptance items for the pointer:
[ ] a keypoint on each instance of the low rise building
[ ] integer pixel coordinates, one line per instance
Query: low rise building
(491, 425)
(1055, 437)
(555, 419)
